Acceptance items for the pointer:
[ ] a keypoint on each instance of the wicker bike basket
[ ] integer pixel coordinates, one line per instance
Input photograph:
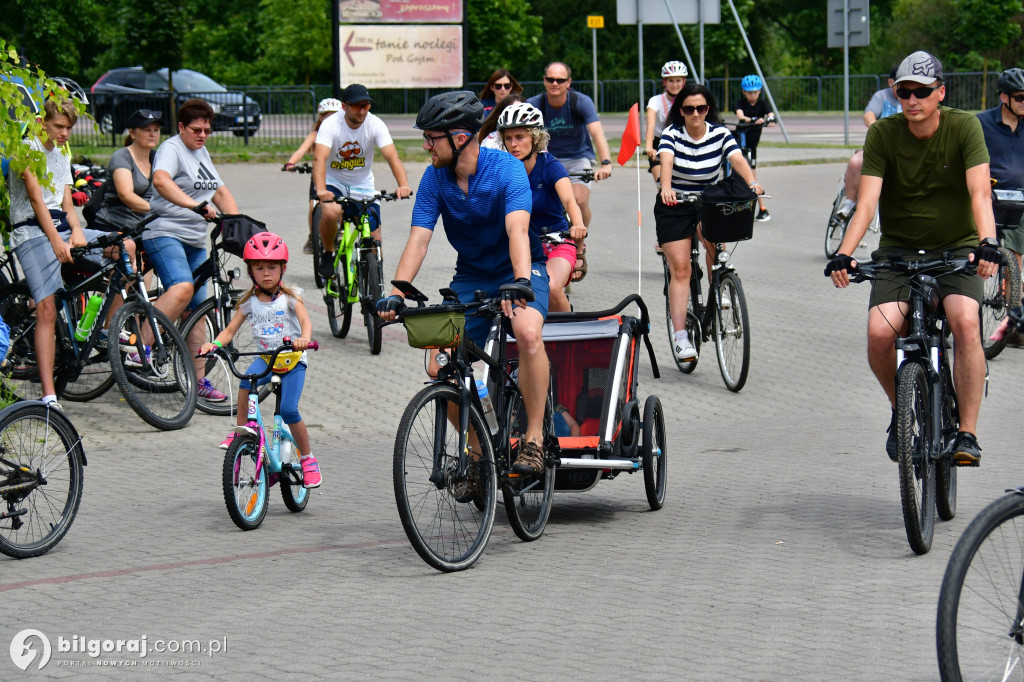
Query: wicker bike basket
(428, 328)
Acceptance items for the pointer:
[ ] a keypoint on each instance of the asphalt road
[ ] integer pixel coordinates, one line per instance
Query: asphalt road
(779, 555)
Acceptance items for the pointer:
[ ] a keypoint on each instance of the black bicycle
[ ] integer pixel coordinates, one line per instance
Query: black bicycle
(226, 284)
(452, 452)
(723, 314)
(1002, 290)
(41, 461)
(927, 418)
(147, 356)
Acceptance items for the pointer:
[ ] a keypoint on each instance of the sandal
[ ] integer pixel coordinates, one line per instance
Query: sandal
(580, 271)
(530, 459)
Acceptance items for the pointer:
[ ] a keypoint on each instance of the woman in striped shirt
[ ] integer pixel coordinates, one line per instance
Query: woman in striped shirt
(692, 151)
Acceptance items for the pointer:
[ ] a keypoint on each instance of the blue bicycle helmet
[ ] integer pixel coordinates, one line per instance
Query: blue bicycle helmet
(751, 82)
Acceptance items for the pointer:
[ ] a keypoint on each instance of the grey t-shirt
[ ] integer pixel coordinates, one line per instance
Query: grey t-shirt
(113, 212)
(193, 172)
(58, 169)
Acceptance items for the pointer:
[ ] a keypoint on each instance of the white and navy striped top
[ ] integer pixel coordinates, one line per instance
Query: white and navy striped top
(697, 163)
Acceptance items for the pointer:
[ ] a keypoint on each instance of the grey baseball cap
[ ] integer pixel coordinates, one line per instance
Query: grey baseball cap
(919, 67)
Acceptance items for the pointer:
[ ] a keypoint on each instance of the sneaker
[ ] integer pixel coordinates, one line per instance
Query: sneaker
(54, 405)
(762, 216)
(846, 209)
(226, 443)
(326, 266)
(530, 459)
(891, 444)
(207, 391)
(657, 247)
(684, 350)
(132, 359)
(966, 451)
(308, 246)
(310, 472)
(101, 342)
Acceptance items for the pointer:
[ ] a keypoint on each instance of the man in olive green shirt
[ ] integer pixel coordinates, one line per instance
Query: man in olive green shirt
(926, 169)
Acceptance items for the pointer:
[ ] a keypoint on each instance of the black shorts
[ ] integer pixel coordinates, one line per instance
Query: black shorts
(673, 223)
(656, 161)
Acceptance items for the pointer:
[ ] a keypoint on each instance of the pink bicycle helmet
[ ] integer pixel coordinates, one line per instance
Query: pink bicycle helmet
(265, 246)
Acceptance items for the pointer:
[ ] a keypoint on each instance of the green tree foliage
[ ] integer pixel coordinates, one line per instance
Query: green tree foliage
(224, 41)
(64, 37)
(296, 43)
(501, 32)
(22, 117)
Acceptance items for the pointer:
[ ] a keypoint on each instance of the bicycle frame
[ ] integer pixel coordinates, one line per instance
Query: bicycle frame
(351, 241)
(702, 311)
(271, 454)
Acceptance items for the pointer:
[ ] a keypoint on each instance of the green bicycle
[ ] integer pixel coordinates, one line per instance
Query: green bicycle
(357, 275)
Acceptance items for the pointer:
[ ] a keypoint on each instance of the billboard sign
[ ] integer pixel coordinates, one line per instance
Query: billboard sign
(378, 56)
(399, 11)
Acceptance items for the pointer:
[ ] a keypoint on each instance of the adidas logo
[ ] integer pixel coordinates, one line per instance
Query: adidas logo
(207, 180)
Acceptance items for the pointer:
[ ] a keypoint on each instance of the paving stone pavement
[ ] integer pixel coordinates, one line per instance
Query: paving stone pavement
(780, 553)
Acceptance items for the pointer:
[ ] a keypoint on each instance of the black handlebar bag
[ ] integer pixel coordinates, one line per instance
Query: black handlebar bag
(727, 210)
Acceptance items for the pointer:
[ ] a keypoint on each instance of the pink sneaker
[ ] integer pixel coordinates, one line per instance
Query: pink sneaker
(310, 472)
(226, 443)
(207, 391)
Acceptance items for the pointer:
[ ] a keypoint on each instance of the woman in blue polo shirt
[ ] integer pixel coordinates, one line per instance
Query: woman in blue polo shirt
(521, 127)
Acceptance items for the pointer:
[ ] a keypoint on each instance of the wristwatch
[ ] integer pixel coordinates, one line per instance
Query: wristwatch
(989, 241)
(606, 162)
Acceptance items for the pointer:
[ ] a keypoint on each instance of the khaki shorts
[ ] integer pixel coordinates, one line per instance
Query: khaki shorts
(894, 287)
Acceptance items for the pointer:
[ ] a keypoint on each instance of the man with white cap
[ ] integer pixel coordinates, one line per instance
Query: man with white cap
(927, 170)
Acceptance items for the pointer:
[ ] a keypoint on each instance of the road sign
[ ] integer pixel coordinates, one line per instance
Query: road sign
(399, 11)
(379, 56)
(655, 12)
(860, 23)
(595, 21)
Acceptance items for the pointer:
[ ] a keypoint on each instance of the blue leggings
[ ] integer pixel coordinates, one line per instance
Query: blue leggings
(291, 388)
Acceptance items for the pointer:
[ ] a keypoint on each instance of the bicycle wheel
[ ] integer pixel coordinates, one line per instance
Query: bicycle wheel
(95, 377)
(448, 534)
(652, 452)
(161, 388)
(527, 497)
(369, 294)
(19, 373)
(213, 366)
(1002, 292)
(917, 468)
(294, 495)
(980, 623)
(835, 230)
(245, 494)
(318, 246)
(339, 308)
(693, 328)
(39, 502)
(945, 469)
(732, 332)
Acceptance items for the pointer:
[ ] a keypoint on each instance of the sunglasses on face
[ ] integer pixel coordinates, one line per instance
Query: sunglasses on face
(700, 109)
(501, 86)
(560, 81)
(200, 131)
(924, 92)
(1019, 99)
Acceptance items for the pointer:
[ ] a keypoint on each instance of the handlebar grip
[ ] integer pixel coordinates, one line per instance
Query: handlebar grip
(201, 208)
(314, 345)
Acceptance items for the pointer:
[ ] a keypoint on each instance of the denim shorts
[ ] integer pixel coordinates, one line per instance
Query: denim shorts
(175, 261)
(372, 209)
(477, 326)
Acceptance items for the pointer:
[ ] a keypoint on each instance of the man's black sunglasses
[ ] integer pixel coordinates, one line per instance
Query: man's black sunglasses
(560, 81)
(923, 92)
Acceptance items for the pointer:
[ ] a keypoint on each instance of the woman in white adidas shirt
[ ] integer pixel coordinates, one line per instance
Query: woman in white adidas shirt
(184, 177)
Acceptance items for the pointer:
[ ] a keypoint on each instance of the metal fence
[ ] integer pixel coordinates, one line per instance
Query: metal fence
(284, 115)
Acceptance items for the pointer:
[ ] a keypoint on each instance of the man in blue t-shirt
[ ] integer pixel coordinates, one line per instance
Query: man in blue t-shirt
(483, 197)
(571, 119)
(1004, 137)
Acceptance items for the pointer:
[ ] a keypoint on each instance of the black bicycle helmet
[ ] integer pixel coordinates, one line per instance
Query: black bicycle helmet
(458, 110)
(1011, 80)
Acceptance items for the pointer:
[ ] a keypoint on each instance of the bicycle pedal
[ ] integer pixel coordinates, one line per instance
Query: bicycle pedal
(959, 463)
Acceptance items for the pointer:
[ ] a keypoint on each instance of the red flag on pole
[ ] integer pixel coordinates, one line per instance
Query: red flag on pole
(631, 136)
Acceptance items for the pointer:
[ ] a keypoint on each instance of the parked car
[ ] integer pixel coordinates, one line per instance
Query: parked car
(121, 91)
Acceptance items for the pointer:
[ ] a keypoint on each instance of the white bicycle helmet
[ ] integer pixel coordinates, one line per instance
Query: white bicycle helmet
(520, 115)
(674, 68)
(329, 104)
(72, 88)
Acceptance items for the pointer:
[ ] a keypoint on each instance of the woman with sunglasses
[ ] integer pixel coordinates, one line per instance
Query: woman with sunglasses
(327, 108)
(521, 127)
(692, 151)
(131, 172)
(184, 178)
(500, 85)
